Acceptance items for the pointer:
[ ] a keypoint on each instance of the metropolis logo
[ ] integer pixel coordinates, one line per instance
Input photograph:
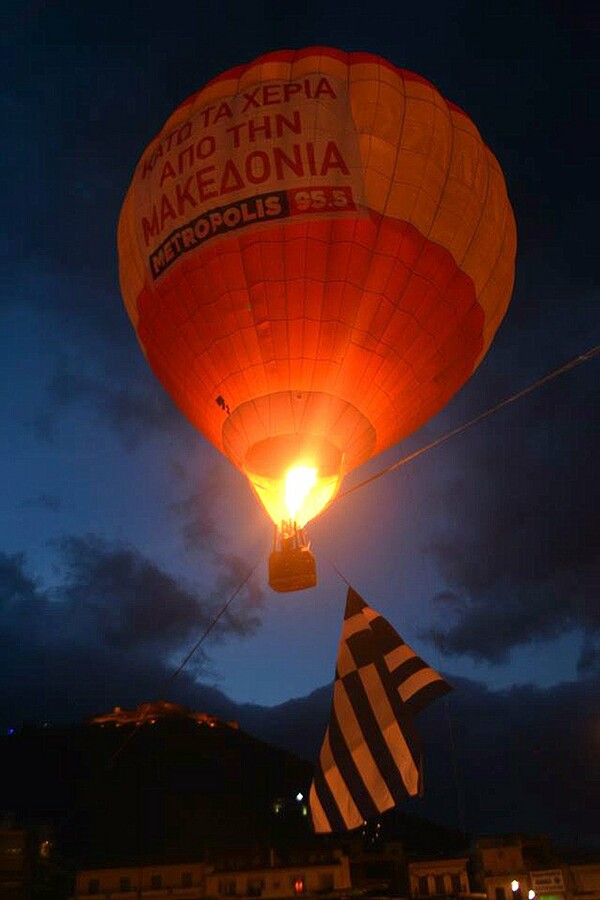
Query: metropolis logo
(328, 199)
(219, 220)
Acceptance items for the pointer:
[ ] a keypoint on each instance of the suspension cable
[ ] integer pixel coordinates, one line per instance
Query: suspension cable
(191, 653)
(583, 357)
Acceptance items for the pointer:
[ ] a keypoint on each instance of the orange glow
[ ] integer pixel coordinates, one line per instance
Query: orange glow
(295, 477)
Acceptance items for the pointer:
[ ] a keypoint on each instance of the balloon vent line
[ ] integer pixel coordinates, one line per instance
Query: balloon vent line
(337, 572)
(191, 653)
(576, 361)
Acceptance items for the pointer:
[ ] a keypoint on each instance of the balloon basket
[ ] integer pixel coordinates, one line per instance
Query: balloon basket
(292, 566)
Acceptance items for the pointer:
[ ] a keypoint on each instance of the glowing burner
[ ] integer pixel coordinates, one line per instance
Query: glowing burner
(295, 477)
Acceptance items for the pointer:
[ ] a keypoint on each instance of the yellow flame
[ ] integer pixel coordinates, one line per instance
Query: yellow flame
(295, 476)
(299, 497)
(299, 481)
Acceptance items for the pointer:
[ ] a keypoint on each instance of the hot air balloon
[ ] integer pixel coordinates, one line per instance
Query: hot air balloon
(315, 253)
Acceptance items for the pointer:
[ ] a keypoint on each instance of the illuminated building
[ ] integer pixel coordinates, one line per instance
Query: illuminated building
(150, 713)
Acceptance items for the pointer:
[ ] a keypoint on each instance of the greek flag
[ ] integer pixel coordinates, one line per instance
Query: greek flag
(370, 759)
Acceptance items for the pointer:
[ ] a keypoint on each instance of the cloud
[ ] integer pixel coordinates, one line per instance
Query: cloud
(106, 634)
(514, 533)
(126, 600)
(19, 592)
(199, 512)
(589, 659)
(524, 758)
(134, 405)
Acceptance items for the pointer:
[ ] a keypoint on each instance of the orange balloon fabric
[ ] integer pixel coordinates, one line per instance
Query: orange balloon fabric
(317, 249)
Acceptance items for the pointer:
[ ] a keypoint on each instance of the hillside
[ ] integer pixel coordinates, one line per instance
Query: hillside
(173, 789)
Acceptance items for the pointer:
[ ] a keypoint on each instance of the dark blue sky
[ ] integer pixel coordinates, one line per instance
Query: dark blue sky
(122, 531)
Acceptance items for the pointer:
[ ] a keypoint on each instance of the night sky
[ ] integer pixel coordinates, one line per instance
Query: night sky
(123, 532)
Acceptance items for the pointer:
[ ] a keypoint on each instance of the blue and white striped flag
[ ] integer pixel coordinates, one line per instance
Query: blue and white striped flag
(370, 759)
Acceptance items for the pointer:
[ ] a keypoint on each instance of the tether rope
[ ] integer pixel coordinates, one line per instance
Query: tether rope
(191, 653)
(583, 357)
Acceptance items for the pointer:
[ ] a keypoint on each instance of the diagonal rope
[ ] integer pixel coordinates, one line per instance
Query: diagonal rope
(576, 361)
(191, 653)
(207, 631)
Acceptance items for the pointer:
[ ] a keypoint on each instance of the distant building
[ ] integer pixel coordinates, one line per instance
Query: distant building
(325, 876)
(195, 880)
(585, 881)
(16, 863)
(377, 867)
(26, 863)
(439, 878)
(325, 871)
(550, 884)
(517, 867)
(180, 881)
(150, 713)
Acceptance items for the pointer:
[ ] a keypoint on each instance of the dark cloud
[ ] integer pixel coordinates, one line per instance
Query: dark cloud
(522, 759)
(202, 532)
(126, 600)
(589, 659)
(106, 634)
(141, 410)
(515, 535)
(134, 405)
(19, 592)
(65, 386)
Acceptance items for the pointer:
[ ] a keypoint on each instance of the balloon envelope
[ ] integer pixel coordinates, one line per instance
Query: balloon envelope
(315, 252)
